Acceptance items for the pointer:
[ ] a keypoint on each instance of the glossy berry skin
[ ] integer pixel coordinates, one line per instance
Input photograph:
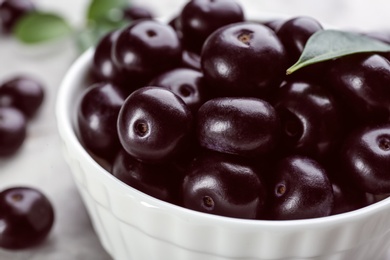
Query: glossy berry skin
(11, 11)
(147, 48)
(315, 73)
(188, 84)
(27, 217)
(365, 158)
(175, 23)
(134, 13)
(97, 116)
(310, 119)
(274, 24)
(158, 180)
(103, 65)
(382, 35)
(190, 60)
(361, 82)
(199, 18)
(347, 197)
(300, 189)
(12, 130)
(294, 33)
(154, 124)
(224, 185)
(243, 59)
(25, 93)
(242, 126)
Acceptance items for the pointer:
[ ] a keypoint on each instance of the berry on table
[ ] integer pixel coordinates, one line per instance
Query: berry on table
(26, 217)
(11, 11)
(12, 130)
(22, 92)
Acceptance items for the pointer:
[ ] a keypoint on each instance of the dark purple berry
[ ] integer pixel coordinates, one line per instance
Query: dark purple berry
(24, 93)
(242, 126)
(274, 24)
(224, 185)
(188, 84)
(190, 60)
(145, 49)
(103, 65)
(381, 35)
(158, 180)
(243, 59)
(365, 158)
(154, 124)
(11, 11)
(200, 18)
(26, 217)
(300, 189)
(12, 130)
(310, 119)
(361, 81)
(294, 33)
(347, 197)
(97, 118)
(134, 12)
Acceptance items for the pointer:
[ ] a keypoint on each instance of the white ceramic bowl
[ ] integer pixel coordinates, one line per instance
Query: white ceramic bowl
(134, 226)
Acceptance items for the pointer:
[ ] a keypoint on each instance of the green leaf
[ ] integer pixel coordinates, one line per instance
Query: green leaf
(99, 9)
(37, 27)
(329, 44)
(85, 39)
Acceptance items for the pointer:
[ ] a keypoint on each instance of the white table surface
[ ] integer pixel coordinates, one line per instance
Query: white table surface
(40, 164)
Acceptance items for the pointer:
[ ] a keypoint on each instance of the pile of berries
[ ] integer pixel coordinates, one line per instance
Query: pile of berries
(20, 98)
(199, 112)
(26, 215)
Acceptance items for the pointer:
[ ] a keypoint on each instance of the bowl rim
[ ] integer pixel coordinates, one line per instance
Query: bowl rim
(65, 101)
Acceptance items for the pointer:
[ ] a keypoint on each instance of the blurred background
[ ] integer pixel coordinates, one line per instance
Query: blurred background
(40, 164)
(361, 14)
